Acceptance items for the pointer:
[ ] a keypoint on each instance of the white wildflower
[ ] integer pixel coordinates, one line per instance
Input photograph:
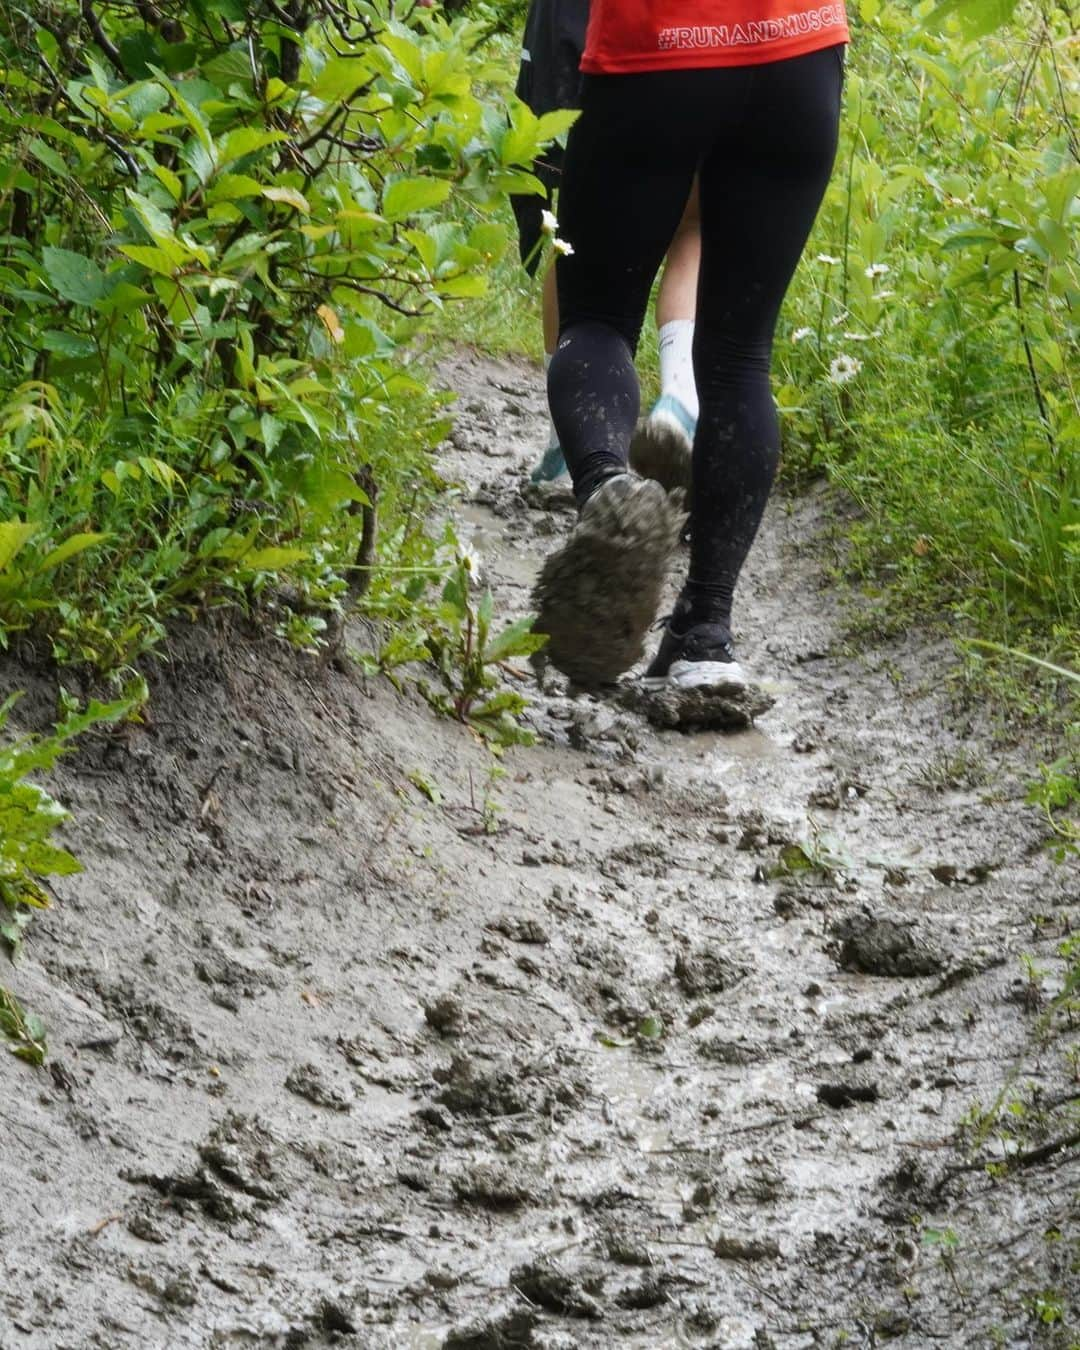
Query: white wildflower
(883, 295)
(561, 246)
(828, 259)
(548, 223)
(471, 560)
(876, 270)
(801, 333)
(843, 368)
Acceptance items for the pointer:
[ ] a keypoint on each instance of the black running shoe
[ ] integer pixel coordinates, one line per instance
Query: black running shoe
(701, 657)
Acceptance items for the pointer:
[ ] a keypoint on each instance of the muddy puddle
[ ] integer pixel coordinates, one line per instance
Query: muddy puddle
(670, 1043)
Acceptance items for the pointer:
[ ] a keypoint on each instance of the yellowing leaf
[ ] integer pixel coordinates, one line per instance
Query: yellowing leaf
(289, 196)
(332, 323)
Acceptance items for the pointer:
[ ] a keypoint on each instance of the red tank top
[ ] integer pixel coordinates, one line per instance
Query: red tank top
(631, 35)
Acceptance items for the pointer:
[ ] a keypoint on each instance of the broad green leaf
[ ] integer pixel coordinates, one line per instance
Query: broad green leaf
(78, 543)
(245, 141)
(516, 640)
(340, 78)
(156, 259)
(272, 559)
(233, 187)
(468, 286)
(67, 344)
(407, 196)
(170, 181)
(13, 535)
(46, 155)
(557, 123)
(190, 113)
(977, 17)
(489, 238)
(153, 220)
(44, 860)
(73, 276)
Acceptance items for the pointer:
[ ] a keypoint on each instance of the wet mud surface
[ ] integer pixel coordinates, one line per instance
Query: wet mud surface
(662, 1040)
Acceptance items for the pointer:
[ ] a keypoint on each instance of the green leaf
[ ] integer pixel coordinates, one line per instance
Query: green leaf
(517, 640)
(425, 786)
(73, 276)
(13, 535)
(45, 860)
(139, 53)
(469, 286)
(406, 196)
(272, 559)
(243, 141)
(67, 344)
(557, 123)
(153, 259)
(77, 543)
(489, 238)
(340, 78)
(977, 17)
(46, 155)
(233, 187)
(614, 1042)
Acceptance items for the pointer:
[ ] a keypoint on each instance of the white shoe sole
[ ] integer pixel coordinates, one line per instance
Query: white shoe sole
(699, 675)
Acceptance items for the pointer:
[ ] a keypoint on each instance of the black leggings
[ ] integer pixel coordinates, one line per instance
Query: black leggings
(763, 139)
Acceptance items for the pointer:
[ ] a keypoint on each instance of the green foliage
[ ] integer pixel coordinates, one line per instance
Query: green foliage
(466, 655)
(220, 226)
(930, 361)
(1057, 792)
(24, 1030)
(29, 815)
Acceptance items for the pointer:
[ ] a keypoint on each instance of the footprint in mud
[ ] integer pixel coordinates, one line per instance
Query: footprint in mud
(310, 1082)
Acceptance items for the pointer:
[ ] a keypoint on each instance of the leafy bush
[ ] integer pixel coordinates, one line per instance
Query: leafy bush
(219, 226)
(28, 817)
(931, 355)
(464, 652)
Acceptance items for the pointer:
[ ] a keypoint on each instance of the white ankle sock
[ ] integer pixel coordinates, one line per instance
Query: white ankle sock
(677, 363)
(553, 435)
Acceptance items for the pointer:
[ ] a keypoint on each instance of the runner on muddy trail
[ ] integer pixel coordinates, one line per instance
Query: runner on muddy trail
(746, 94)
(549, 78)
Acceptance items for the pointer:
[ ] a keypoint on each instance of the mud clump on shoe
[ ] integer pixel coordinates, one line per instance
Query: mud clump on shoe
(597, 596)
(658, 452)
(730, 709)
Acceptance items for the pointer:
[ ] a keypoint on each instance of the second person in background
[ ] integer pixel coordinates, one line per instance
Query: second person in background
(550, 78)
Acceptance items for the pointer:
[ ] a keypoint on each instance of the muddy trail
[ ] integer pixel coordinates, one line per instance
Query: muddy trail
(660, 1040)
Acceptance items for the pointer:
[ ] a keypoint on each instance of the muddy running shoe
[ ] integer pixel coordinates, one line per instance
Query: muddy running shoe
(552, 465)
(662, 446)
(597, 595)
(701, 657)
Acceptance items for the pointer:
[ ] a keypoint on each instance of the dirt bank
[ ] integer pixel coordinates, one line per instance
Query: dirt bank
(658, 1041)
